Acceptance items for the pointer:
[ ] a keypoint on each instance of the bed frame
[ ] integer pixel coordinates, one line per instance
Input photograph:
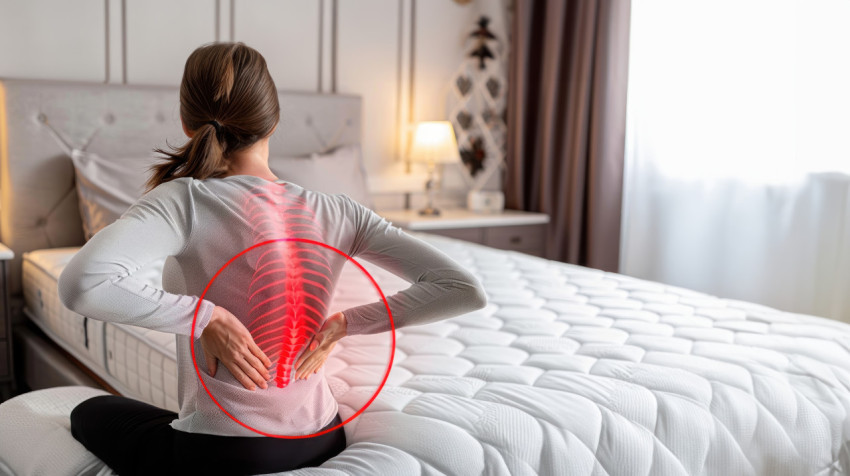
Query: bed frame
(39, 120)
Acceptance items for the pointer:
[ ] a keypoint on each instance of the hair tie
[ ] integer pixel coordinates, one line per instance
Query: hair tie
(215, 124)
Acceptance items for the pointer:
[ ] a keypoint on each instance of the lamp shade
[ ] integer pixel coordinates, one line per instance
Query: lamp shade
(434, 142)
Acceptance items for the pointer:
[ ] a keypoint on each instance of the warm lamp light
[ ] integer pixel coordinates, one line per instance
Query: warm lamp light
(433, 143)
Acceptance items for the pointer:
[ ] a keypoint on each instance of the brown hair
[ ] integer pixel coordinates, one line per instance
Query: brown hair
(229, 100)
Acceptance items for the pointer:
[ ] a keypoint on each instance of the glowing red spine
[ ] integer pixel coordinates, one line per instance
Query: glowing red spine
(290, 288)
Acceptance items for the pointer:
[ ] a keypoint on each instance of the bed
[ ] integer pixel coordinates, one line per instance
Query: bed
(567, 370)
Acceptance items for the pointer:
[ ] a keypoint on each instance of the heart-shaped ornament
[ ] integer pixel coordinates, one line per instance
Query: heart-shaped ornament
(464, 84)
(464, 119)
(493, 87)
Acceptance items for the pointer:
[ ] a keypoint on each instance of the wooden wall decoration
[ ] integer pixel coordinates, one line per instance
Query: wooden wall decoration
(476, 105)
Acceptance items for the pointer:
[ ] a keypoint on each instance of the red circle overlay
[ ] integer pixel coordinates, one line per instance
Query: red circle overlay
(323, 245)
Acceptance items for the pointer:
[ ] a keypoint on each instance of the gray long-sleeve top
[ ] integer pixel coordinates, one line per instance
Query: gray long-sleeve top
(279, 282)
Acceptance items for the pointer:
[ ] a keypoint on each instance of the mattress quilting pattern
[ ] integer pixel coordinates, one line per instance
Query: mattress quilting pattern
(570, 370)
(137, 362)
(82, 337)
(143, 361)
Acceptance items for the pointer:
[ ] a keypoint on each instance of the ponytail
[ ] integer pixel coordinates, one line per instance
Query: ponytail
(201, 157)
(228, 101)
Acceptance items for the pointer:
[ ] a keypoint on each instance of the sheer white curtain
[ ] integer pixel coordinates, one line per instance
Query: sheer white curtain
(738, 150)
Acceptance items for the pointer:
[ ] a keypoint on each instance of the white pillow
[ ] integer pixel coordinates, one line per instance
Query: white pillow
(338, 171)
(106, 188)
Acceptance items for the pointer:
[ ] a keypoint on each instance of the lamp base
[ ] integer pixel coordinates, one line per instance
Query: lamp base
(429, 211)
(430, 189)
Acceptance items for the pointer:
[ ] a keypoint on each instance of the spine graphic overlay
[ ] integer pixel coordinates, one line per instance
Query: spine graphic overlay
(291, 285)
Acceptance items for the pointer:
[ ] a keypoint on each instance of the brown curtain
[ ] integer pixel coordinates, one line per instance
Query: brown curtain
(567, 121)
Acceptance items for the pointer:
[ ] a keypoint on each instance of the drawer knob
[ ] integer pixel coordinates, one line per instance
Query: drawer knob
(516, 239)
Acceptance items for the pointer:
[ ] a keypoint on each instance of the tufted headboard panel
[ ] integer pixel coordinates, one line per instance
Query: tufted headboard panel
(38, 200)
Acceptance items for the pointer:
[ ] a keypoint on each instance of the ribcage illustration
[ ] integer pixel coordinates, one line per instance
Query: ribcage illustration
(290, 287)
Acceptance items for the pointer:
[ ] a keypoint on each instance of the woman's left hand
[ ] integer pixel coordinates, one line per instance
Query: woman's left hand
(320, 346)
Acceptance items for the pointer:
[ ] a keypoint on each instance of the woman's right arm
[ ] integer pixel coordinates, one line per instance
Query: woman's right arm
(100, 282)
(440, 287)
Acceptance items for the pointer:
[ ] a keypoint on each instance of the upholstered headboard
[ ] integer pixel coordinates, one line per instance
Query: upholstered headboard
(38, 200)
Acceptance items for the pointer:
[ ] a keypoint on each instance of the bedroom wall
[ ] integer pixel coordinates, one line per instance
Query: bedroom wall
(399, 55)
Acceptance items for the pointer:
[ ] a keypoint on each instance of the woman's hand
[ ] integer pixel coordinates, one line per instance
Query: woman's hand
(321, 345)
(226, 339)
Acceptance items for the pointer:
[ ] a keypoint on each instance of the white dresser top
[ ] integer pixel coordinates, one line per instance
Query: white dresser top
(5, 252)
(461, 218)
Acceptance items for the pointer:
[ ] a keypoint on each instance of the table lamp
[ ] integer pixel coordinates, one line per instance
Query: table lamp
(433, 143)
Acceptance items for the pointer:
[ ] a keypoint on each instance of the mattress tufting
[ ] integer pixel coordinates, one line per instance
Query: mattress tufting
(567, 370)
(135, 361)
(82, 337)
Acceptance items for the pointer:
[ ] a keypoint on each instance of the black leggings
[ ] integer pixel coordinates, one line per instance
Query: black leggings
(133, 437)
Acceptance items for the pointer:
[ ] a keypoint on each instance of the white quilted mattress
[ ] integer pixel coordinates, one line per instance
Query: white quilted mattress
(83, 338)
(568, 370)
(135, 361)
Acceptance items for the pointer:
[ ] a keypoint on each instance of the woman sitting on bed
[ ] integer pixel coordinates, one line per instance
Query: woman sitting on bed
(262, 333)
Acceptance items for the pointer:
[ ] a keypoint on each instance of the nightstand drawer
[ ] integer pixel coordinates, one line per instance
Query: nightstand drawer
(520, 238)
(474, 235)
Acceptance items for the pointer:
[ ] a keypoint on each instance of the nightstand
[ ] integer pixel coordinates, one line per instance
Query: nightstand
(508, 230)
(6, 373)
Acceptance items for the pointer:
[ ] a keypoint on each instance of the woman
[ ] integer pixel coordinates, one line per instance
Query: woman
(263, 319)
